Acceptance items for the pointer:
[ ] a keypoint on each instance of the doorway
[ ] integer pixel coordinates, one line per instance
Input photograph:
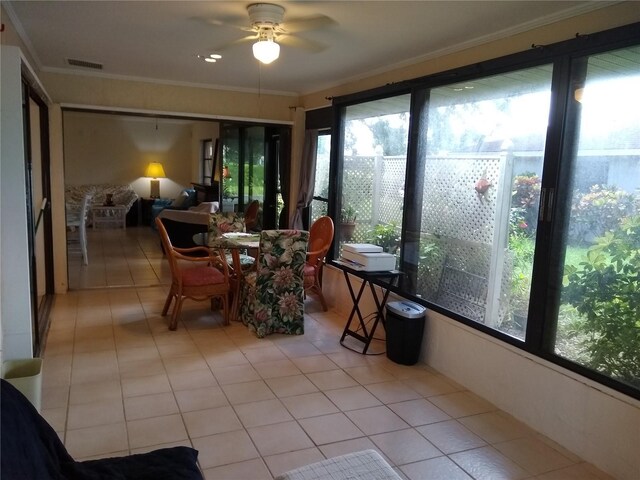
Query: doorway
(255, 161)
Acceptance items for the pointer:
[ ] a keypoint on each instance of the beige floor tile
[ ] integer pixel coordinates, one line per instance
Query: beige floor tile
(200, 399)
(346, 358)
(451, 436)
(352, 398)
(336, 449)
(493, 427)
(185, 363)
(250, 469)
(129, 354)
(375, 420)
(263, 355)
(367, 374)
(405, 446)
(440, 468)
(85, 442)
(393, 392)
(227, 358)
(132, 387)
(315, 363)
(94, 391)
(191, 380)
(486, 463)
(309, 405)
(291, 386)
(141, 368)
(202, 423)
(279, 438)
(225, 449)
(418, 412)
(96, 413)
(331, 379)
(284, 462)
(147, 406)
(55, 397)
(235, 374)
(156, 430)
(56, 417)
(246, 392)
(276, 368)
(462, 404)
(533, 455)
(265, 412)
(299, 349)
(330, 428)
(150, 448)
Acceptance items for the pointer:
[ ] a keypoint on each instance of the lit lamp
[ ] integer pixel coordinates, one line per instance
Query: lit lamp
(265, 49)
(155, 171)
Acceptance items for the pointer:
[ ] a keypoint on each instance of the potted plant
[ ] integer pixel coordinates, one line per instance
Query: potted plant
(347, 222)
(386, 235)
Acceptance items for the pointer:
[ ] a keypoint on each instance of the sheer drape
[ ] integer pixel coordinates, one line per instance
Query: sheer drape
(307, 176)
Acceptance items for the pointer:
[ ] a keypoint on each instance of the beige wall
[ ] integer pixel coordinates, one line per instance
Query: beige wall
(102, 148)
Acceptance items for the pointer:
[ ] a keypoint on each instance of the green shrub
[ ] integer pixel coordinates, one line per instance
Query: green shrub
(598, 211)
(525, 197)
(605, 290)
(387, 235)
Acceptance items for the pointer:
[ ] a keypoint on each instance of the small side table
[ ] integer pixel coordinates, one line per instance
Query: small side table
(364, 330)
(109, 216)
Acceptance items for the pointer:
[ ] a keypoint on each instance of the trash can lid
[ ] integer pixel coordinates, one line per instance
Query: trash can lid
(406, 309)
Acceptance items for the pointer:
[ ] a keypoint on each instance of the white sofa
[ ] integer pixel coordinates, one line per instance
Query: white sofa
(122, 195)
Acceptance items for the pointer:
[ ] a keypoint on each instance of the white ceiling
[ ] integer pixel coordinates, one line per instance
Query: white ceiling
(160, 40)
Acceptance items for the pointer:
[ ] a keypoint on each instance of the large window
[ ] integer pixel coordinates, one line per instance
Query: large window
(598, 322)
(482, 153)
(320, 202)
(511, 197)
(373, 172)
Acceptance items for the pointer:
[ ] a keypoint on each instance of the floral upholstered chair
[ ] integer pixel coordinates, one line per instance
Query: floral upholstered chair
(272, 296)
(225, 222)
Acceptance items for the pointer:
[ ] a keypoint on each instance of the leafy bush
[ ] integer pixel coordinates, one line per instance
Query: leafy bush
(598, 211)
(605, 290)
(387, 235)
(525, 197)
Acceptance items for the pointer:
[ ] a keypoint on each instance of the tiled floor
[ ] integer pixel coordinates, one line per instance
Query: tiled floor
(116, 381)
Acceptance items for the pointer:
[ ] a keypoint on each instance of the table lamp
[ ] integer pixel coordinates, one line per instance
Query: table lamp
(155, 171)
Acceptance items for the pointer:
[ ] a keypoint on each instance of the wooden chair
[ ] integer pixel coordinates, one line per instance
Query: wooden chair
(320, 238)
(207, 278)
(272, 296)
(251, 216)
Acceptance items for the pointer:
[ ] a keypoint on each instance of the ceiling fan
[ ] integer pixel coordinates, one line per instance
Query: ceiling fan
(269, 30)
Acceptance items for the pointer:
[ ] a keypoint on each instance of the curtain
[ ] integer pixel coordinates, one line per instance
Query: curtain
(307, 176)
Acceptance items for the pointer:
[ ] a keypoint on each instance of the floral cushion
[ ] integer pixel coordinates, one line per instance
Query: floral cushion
(274, 303)
(220, 223)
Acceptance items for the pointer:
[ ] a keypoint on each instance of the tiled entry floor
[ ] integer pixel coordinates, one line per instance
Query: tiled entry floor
(116, 381)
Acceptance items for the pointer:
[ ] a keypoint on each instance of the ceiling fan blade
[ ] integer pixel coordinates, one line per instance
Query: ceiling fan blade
(303, 43)
(237, 23)
(302, 24)
(239, 41)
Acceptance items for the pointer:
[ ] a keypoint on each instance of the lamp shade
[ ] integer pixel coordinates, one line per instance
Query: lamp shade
(266, 50)
(155, 170)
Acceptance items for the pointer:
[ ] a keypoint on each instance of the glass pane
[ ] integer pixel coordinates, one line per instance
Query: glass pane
(323, 151)
(318, 209)
(254, 153)
(483, 161)
(599, 313)
(230, 168)
(374, 164)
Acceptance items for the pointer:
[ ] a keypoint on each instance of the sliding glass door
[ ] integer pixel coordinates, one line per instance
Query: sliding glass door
(599, 310)
(251, 169)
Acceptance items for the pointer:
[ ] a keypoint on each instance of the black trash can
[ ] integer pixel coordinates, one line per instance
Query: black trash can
(404, 326)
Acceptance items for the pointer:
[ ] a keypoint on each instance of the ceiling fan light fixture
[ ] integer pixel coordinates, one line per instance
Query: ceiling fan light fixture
(266, 50)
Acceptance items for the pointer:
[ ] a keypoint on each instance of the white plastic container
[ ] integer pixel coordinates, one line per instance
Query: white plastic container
(26, 376)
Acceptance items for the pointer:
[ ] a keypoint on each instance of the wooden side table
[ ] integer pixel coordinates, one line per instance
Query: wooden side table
(109, 216)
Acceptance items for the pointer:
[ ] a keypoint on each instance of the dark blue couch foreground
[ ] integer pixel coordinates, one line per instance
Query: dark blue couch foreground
(32, 450)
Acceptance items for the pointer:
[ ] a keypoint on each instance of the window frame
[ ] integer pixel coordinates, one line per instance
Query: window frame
(547, 267)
